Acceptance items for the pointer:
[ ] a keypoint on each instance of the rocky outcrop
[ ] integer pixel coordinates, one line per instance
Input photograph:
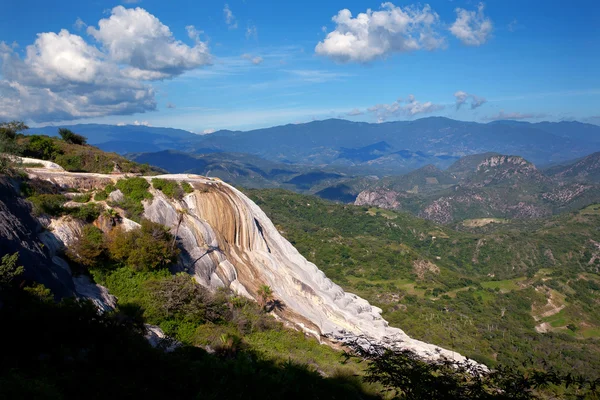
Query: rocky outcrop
(228, 241)
(383, 198)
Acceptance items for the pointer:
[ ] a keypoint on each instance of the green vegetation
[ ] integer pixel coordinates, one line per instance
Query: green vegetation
(82, 198)
(71, 137)
(489, 286)
(142, 249)
(408, 377)
(169, 187)
(71, 152)
(9, 269)
(187, 188)
(8, 143)
(102, 195)
(104, 355)
(135, 190)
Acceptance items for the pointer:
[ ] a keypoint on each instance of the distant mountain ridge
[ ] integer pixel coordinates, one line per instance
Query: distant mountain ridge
(488, 186)
(390, 148)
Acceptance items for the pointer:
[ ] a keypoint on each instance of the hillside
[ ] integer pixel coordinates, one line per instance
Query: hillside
(505, 295)
(586, 169)
(481, 186)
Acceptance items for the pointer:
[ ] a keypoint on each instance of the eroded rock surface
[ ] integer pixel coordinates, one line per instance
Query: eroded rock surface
(228, 241)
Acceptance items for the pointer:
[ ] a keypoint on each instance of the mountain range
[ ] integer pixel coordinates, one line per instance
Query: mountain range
(387, 148)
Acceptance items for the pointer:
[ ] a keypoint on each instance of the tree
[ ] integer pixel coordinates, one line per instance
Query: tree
(265, 295)
(71, 137)
(145, 248)
(89, 247)
(181, 213)
(9, 269)
(10, 130)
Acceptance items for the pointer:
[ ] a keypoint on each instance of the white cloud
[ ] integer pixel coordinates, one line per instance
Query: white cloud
(137, 38)
(317, 76)
(514, 116)
(513, 25)
(473, 28)
(251, 32)
(462, 97)
(376, 34)
(141, 123)
(79, 24)
(62, 77)
(354, 112)
(208, 131)
(229, 17)
(171, 105)
(256, 60)
(403, 108)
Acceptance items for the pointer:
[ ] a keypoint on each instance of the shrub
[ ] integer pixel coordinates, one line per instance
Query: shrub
(180, 297)
(51, 204)
(73, 163)
(169, 187)
(145, 248)
(83, 198)
(87, 212)
(71, 137)
(9, 269)
(42, 147)
(89, 247)
(134, 190)
(187, 188)
(101, 195)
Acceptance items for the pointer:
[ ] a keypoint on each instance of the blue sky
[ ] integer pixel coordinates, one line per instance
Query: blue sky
(205, 66)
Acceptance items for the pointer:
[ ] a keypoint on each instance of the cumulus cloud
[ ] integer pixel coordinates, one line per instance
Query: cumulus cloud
(514, 116)
(229, 17)
(403, 108)
(63, 77)
(462, 97)
(376, 34)
(473, 28)
(256, 60)
(208, 131)
(137, 38)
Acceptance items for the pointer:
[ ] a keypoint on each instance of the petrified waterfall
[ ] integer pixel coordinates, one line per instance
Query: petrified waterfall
(228, 241)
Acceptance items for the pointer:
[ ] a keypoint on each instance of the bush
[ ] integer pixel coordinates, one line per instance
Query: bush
(73, 163)
(83, 198)
(71, 137)
(89, 247)
(87, 212)
(51, 204)
(169, 187)
(101, 195)
(42, 147)
(180, 297)
(187, 188)
(135, 190)
(146, 248)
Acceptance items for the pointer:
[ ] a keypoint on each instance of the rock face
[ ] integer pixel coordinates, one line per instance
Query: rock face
(383, 198)
(228, 241)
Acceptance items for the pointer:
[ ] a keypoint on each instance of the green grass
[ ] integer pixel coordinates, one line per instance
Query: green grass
(505, 285)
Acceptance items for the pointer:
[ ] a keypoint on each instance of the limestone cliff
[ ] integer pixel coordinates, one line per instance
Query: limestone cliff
(228, 241)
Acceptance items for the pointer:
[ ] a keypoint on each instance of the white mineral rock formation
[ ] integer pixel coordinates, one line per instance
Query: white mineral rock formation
(228, 241)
